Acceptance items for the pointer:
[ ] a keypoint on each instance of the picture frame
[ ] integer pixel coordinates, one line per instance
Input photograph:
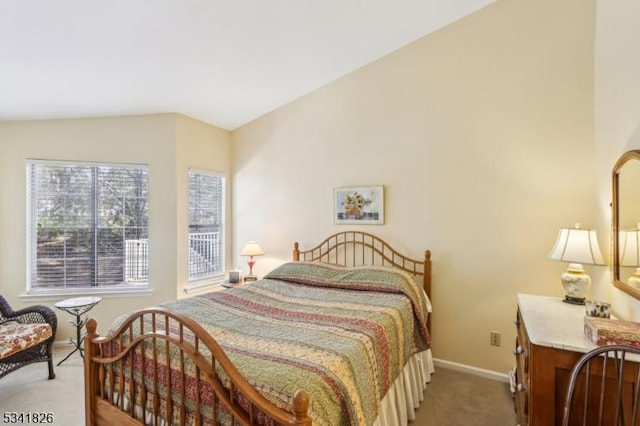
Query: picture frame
(361, 205)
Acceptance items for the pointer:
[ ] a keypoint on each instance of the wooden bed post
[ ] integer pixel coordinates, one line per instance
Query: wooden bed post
(296, 252)
(427, 272)
(90, 372)
(300, 408)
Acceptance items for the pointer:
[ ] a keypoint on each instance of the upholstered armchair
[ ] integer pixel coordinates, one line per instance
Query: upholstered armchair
(26, 336)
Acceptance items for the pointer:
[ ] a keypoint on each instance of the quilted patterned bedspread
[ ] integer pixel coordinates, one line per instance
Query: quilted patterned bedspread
(341, 334)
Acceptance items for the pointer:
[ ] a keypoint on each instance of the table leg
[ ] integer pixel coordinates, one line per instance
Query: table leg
(78, 343)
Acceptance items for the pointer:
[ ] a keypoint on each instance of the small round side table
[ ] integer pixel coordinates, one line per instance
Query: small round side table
(77, 306)
(228, 284)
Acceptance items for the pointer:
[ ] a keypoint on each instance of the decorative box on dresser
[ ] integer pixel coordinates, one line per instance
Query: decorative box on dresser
(550, 340)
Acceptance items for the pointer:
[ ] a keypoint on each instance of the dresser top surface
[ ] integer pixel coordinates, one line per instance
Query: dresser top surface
(553, 323)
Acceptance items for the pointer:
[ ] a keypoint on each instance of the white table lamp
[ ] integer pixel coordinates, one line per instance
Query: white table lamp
(576, 246)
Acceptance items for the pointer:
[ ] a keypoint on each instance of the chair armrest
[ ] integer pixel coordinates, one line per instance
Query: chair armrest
(5, 309)
(30, 314)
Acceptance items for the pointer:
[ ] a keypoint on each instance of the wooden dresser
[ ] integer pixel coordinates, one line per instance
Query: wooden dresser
(549, 342)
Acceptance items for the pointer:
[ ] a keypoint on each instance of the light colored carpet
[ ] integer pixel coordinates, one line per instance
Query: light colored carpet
(451, 399)
(460, 399)
(29, 390)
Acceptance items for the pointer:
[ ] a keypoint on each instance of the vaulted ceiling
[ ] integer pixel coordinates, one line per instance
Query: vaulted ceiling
(225, 62)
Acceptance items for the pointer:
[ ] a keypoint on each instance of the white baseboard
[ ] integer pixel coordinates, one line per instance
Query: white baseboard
(493, 375)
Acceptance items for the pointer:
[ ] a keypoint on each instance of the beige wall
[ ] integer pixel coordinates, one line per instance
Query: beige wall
(482, 134)
(617, 117)
(168, 143)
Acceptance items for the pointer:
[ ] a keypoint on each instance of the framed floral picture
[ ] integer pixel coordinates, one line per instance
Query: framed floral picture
(358, 205)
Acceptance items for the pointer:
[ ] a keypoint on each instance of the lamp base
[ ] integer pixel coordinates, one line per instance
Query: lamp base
(576, 283)
(250, 277)
(574, 300)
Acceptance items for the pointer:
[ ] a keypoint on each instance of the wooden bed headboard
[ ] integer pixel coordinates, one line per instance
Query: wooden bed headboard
(355, 248)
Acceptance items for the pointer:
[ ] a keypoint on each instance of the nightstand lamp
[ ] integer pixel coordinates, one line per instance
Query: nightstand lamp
(629, 242)
(576, 246)
(251, 249)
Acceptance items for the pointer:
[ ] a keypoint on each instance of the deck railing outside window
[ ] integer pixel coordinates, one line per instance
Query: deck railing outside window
(204, 254)
(136, 265)
(204, 257)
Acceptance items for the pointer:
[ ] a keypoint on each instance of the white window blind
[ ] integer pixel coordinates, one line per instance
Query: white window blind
(206, 224)
(83, 221)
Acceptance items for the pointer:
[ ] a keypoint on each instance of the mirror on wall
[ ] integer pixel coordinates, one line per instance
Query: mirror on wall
(626, 223)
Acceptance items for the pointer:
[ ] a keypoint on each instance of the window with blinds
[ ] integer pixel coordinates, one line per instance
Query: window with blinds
(88, 225)
(206, 224)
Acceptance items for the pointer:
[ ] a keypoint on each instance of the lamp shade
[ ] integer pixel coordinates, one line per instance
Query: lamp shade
(577, 245)
(252, 249)
(629, 241)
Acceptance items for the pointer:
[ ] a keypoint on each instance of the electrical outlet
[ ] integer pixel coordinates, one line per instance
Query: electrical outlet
(494, 337)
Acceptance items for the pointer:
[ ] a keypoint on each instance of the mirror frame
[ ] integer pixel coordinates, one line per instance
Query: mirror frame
(615, 221)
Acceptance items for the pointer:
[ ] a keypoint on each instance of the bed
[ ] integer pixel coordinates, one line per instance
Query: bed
(339, 335)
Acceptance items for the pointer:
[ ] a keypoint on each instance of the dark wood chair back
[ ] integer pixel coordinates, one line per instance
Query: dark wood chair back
(604, 387)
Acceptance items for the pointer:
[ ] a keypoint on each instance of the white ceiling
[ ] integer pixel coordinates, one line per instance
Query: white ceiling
(225, 62)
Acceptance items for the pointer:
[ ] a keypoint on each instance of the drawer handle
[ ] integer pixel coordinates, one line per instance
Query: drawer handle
(516, 322)
(520, 387)
(519, 350)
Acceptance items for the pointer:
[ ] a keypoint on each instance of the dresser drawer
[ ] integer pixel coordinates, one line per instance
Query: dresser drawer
(521, 352)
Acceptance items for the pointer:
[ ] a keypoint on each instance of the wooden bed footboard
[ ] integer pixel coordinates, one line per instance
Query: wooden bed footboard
(121, 388)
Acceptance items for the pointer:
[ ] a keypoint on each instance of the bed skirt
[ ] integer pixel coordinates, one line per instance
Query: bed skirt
(404, 397)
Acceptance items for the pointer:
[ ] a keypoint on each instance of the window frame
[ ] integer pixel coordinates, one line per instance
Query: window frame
(197, 282)
(31, 234)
